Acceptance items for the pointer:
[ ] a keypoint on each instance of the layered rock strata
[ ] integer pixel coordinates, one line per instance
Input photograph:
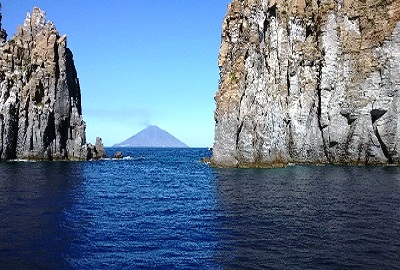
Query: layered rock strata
(40, 102)
(308, 81)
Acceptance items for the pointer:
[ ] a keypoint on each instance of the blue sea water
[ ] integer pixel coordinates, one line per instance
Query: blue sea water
(164, 209)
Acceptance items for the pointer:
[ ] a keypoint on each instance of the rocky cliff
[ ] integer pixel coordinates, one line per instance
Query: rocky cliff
(40, 102)
(308, 81)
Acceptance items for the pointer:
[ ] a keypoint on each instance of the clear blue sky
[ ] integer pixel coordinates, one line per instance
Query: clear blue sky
(139, 62)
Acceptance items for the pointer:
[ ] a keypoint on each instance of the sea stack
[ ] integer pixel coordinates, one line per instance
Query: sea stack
(307, 81)
(40, 102)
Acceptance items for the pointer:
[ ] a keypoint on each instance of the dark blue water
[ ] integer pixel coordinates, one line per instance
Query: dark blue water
(164, 209)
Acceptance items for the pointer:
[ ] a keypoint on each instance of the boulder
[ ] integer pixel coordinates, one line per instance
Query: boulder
(118, 155)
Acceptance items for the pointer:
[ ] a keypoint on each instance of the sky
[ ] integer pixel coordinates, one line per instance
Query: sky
(139, 62)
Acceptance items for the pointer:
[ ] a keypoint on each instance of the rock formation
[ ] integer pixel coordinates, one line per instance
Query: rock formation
(308, 81)
(40, 102)
(3, 33)
(96, 151)
(118, 155)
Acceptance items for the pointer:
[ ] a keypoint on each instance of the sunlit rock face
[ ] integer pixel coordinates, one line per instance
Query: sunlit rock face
(40, 102)
(306, 81)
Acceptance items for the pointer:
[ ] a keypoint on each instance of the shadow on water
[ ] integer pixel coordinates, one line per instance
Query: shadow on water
(308, 217)
(33, 199)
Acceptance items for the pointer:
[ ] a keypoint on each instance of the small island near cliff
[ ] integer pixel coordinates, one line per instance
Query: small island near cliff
(310, 82)
(40, 102)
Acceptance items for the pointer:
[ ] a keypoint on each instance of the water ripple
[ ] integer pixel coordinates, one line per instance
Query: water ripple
(166, 210)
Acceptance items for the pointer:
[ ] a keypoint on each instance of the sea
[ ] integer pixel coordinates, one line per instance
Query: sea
(164, 209)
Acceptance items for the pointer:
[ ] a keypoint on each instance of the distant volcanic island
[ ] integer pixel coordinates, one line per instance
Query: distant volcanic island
(152, 137)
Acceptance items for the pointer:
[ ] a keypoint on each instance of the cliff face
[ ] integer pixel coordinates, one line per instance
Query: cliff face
(40, 102)
(308, 81)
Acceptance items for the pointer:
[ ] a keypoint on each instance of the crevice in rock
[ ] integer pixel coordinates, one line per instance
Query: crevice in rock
(376, 114)
(57, 67)
(332, 144)
(256, 143)
(49, 132)
(382, 144)
(318, 33)
(238, 133)
(309, 30)
(11, 147)
(350, 136)
(63, 131)
(349, 117)
(266, 25)
(288, 82)
(291, 141)
(1, 134)
(272, 11)
(26, 111)
(39, 93)
(31, 141)
(287, 121)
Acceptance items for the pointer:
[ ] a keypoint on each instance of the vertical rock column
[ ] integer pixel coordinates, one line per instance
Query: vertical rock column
(40, 102)
(3, 33)
(308, 82)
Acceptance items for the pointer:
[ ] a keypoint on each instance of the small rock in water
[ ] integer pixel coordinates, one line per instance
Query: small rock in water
(118, 155)
(205, 160)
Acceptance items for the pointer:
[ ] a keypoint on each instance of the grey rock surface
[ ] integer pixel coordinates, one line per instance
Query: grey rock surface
(3, 33)
(40, 100)
(308, 82)
(96, 151)
(118, 155)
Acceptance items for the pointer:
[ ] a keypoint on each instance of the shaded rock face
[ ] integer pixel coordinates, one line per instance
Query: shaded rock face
(3, 33)
(306, 81)
(96, 151)
(40, 102)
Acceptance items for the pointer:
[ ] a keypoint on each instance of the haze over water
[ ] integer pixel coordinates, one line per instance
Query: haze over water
(164, 209)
